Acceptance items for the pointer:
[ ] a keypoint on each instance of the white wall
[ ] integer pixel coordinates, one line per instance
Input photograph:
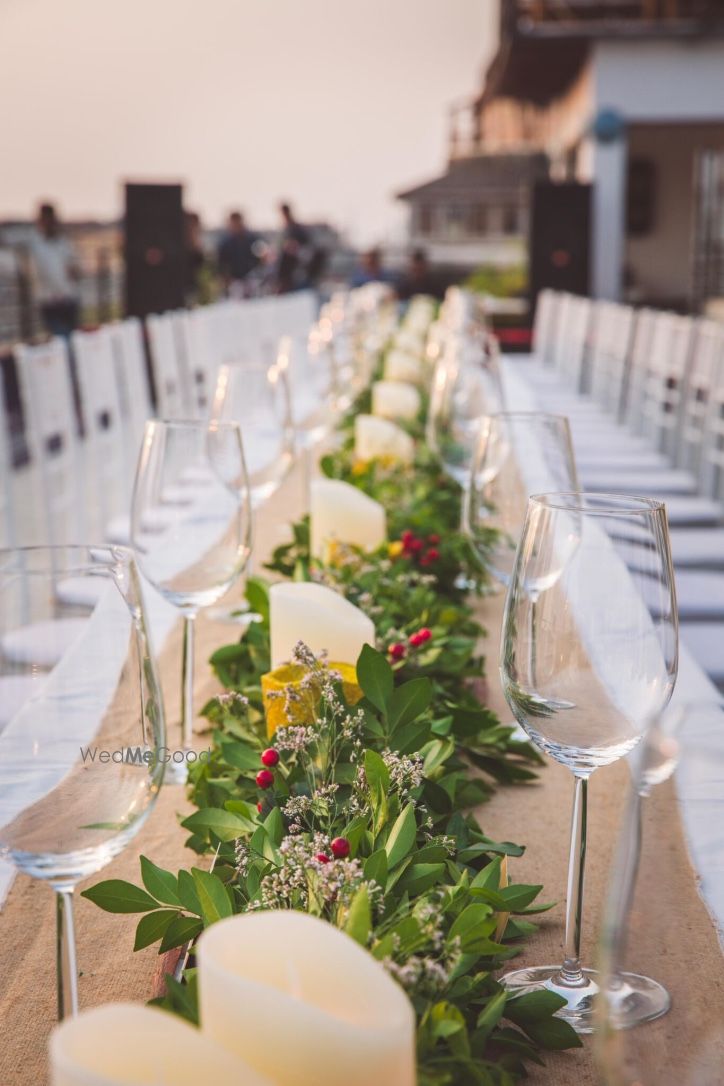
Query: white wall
(660, 82)
(661, 262)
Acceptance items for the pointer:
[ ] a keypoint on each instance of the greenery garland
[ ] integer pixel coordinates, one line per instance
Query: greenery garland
(361, 813)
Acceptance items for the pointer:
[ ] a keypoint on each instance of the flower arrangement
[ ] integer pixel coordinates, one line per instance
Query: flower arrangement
(361, 812)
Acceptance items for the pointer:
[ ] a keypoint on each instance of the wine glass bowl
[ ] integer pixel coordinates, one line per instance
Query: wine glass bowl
(255, 396)
(205, 547)
(589, 654)
(81, 754)
(465, 388)
(517, 453)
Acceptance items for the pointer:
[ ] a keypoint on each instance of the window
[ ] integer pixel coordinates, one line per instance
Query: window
(478, 219)
(424, 219)
(510, 220)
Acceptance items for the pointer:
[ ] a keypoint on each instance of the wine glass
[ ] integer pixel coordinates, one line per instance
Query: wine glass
(466, 387)
(83, 741)
(589, 654)
(517, 453)
(256, 397)
(665, 908)
(205, 548)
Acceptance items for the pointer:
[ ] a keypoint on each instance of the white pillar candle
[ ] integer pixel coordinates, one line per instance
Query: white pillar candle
(323, 619)
(403, 366)
(342, 512)
(304, 1002)
(374, 438)
(124, 1044)
(410, 338)
(395, 400)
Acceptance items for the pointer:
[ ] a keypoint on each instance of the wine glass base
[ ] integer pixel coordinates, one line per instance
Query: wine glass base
(579, 1008)
(633, 999)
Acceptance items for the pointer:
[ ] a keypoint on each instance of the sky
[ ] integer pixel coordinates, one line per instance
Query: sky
(332, 104)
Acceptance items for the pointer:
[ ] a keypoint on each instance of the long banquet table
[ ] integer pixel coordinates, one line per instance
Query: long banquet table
(537, 815)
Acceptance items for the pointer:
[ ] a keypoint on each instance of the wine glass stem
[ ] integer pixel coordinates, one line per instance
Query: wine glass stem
(67, 966)
(571, 973)
(187, 683)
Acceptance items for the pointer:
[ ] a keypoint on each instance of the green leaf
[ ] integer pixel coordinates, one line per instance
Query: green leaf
(160, 884)
(274, 826)
(359, 918)
(183, 998)
(257, 594)
(182, 930)
(534, 1013)
(152, 926)
(118, 896)
(408, 702)
(402, 836)
(214, 900)
(187, 893)
(241, 756)
(374, 675)
(473, 923)
(519, 896)
(376, 772)
(489, 877)
(420, 877)
(224, 824)
(375, 868)
(491, 1014)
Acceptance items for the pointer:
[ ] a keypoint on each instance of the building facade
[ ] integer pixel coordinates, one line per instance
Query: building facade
(629, 97)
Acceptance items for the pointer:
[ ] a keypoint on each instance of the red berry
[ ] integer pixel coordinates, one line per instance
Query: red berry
(270, 757)
(340, 848)
(423, 635)
(424, 561)
(433, 554)
(322, 858)
(264, 778)
(415, 546)
(259, 808)
(434, 538)
(397, 651)
(407, 537)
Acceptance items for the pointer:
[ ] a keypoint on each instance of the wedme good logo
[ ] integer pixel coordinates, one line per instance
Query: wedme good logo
(142, 756)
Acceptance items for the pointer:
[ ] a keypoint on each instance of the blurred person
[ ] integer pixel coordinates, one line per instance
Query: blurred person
(195, 256)
(369, 269)
(418, 278)
(56, 273)
(296, 252)
(237, 254)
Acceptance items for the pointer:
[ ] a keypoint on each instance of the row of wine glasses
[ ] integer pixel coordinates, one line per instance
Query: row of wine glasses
(589, 643)
(83, 742)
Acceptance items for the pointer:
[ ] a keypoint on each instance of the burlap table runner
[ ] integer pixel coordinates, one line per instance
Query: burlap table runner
(537, 816)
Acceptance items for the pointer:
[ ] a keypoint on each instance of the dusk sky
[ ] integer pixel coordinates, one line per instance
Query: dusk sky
(333, 105)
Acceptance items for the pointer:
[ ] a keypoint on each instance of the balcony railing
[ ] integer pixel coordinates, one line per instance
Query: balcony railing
(588, 15)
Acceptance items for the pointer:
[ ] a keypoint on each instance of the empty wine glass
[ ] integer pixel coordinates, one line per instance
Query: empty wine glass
(255, 396)
(205, 548)
(517, 453)
(665, 909)
(466, 387)
(82, 745)
(589, 654)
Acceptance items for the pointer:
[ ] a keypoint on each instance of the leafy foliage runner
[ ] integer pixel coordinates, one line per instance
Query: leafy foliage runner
(363, 814)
